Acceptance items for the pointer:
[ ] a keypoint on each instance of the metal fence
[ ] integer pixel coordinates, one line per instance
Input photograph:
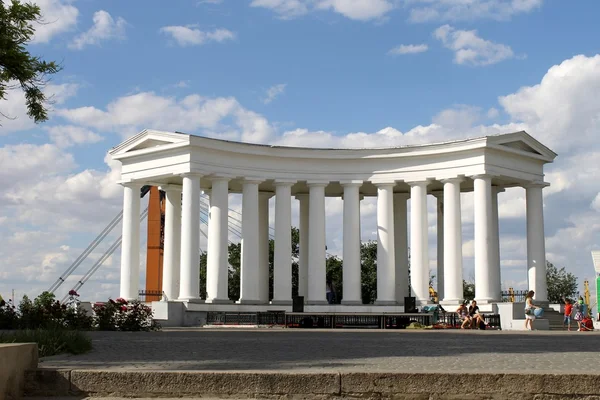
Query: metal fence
(150, 295)
(246, 318)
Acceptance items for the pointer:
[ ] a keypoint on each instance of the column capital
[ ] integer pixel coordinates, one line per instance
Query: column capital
(220, 177)
(252, 179)
(381, 184)
(532, 185)
(482, 176)
(352, 182)
(421, 182)
(456, 179)
(170, 187)
(498, 188)
(192, 174)
(132, 184)
(317, 183)
(284, 182)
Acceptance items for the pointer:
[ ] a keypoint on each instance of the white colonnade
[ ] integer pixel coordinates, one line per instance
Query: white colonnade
(397, 243)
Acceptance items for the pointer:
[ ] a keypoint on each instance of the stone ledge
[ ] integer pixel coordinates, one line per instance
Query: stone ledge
(314, 385)
(15, 359)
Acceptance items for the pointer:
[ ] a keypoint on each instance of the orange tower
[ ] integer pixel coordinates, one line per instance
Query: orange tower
(154, 254)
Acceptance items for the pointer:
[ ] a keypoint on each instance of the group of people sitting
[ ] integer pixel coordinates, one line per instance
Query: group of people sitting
(470, 315)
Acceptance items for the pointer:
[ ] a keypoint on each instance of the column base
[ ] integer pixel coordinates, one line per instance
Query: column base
(317, 303)
(251, 302)
(219, 301)
(195, 300)
(385, 302)
(451, 302)
(486, 301)
(281, 302)
(352, 303)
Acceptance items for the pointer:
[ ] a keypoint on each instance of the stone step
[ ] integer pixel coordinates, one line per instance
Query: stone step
(48, 383)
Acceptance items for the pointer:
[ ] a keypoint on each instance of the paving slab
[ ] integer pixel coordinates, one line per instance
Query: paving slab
(305, 351)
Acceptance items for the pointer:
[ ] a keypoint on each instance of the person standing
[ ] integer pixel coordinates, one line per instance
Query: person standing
(568, 311)
(529, 310)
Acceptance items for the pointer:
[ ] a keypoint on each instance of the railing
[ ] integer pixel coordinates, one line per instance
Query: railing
(342, 320)
(146, 296)
(514, 296)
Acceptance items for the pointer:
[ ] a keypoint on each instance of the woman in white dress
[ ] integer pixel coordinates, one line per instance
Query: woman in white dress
(529, 310)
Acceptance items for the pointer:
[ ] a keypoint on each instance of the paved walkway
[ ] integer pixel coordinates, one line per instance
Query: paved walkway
(340, 350)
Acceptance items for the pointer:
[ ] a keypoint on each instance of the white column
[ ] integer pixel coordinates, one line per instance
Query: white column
(190, 239)
(536, 247)
(440, 245)
(401, 245)
(351, 255)
(217, 267)
(282, 259)
(495, 251)
(263, 246)
(386, 257)
(249, 286)
(453, 259)
(303, 244)
(483, 239)
(316, 243)
(419, 245)
(130, 246)
(172, 255)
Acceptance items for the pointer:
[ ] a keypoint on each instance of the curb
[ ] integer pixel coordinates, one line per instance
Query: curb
(315, 385)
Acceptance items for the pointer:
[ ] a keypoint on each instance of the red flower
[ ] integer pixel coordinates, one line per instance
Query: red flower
(123, 308)
(73, 293)
(121, 300)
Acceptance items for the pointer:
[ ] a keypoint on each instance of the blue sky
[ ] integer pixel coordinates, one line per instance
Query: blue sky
(301, 72)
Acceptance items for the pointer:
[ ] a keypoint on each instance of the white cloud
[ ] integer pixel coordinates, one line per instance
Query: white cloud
(361, 10)
(105, 28)
(409, 49)
(57, 16)
(274, 91)
(218, 117)
(68, 135)
(461, 10)
(189, 36)
(596, 203)
(470, 49)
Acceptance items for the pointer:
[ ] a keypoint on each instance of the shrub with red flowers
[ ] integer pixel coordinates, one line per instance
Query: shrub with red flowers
(121, 315)
(45, 312)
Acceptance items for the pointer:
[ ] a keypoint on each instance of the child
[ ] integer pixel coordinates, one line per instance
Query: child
(568, 311)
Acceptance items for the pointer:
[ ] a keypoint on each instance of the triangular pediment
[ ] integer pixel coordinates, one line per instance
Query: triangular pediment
(523, 143)
(149, 139)
(520, 145)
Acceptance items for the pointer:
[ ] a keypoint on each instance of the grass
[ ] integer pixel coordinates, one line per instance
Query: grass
(51, 341)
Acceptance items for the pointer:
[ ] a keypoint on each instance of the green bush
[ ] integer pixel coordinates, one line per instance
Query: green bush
(50, 341)
(45, 312)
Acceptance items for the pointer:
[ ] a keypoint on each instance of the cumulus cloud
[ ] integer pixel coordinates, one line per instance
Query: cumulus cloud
(57, 16)
(361, 10)
(105, 27)
(408, 49)
(461, 10)
(274, 92)
(470, 49)
(190, 36)
(67, 135)
(218, 117)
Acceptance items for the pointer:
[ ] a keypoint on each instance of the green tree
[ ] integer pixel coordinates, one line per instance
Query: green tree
(235, 253)
(334, 272)
(203, 275)
(560, 283)
(368, 271)
(468, 290)
(18, 68)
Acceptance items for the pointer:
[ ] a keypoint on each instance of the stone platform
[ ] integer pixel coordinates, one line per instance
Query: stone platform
(274, 363)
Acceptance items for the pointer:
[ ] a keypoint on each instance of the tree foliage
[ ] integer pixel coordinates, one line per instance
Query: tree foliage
(18, 68)
(560, 283)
